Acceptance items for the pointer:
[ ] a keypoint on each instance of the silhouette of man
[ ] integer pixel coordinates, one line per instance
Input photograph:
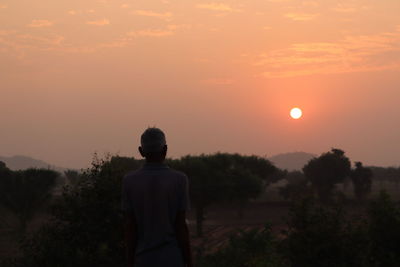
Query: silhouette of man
(154, 200)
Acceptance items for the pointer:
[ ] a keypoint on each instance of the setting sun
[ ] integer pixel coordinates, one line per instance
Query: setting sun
(296, 113)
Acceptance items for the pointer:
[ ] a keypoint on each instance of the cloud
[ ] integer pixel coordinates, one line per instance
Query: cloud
(124, 6)
(102, 22)
(218, 81)
(39, 23)
(72, 12)
(345, 8)
(167, 31)
(352, 54)
(151, 33)
(20, 44)
(75, 12)
(218, 7)
(3, 6)
(41, 42)
(310, 3)
(301, 16)
(149, 13)
(6, 32)
(278, 1)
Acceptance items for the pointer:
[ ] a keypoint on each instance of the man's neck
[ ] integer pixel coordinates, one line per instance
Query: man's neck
(155, 161)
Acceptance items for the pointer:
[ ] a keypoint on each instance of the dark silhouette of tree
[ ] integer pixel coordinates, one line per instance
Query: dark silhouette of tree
(86, 226)
(362, 181)
(72, 177)
(386, 175)
(24, 192)
(244, 186)
(246, 177)
(259, 166)
(326, 171)
(224, 177)
(297, 187)
(207, 185)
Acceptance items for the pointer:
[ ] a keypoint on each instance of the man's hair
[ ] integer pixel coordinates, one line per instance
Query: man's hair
(152, 141)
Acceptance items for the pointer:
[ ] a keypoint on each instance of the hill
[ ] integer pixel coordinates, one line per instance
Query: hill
(291, 161)
(24, 162)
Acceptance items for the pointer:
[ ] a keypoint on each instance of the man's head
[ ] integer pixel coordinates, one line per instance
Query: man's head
(153, 145)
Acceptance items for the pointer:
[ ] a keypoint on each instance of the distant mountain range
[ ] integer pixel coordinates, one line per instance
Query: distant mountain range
(24, 162)
(288, 161)
(291, 161)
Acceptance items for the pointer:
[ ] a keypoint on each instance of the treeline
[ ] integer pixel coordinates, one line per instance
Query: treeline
(321, 176)
(85, 228)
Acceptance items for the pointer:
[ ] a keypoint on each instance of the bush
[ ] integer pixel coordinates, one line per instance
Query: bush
(86, 225)
(321, 236)
(251, 249)
(384, 230)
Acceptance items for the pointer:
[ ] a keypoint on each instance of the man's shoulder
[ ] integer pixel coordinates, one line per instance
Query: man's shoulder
(131, 175)
(177, 173)
(168, 171)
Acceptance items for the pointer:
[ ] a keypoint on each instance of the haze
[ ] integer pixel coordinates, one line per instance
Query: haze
(83, 76)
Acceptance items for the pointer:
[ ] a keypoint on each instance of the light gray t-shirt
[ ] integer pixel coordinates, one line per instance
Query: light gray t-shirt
(154, 194)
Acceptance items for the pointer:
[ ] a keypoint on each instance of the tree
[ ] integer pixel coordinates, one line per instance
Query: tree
(296, 188)
(244, 186)
(246, 176)
(24, 192)
(326, 171)
(72, 177)
(207, 184)
(86, 224)
(362, 182)
(224, 177)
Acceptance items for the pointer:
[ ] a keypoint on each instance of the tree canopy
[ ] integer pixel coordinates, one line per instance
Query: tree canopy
(326, 171)
(24, 192)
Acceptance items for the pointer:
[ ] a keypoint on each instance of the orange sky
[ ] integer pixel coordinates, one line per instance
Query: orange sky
(90, 75)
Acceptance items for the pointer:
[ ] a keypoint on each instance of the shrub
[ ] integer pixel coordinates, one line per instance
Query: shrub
(253, 248)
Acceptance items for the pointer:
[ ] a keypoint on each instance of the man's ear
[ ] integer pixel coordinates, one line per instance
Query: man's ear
(141, 151)
(165, 149)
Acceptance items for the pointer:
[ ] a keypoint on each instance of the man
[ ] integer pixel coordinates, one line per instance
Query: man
(154, 200)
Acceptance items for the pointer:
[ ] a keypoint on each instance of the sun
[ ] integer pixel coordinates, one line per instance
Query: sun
(296, 113)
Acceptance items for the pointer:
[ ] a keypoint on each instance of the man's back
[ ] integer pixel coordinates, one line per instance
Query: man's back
(154, 195)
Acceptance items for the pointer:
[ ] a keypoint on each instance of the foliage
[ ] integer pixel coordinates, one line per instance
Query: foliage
(321, 236)
(72, 176)
(326, 171)
(362, 181)
(224, 177)
(86, 228)
(253, 248)
(389, 174)
(297, 187)
(86, 225)
(24, 192)
(384, 230)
